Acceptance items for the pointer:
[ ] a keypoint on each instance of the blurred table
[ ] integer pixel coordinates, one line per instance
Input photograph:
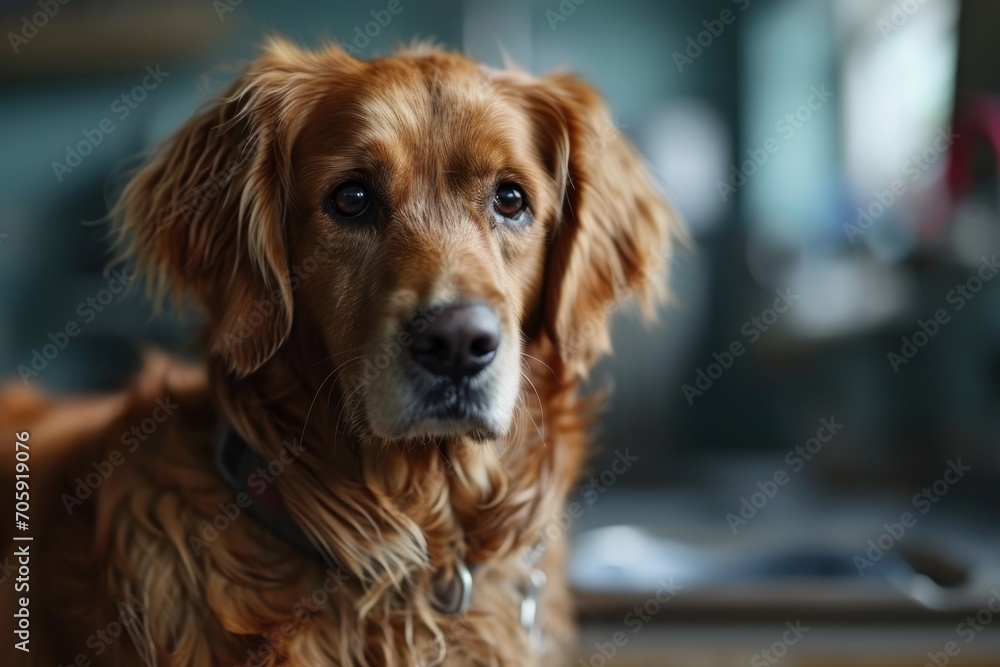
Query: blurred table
(726, 645)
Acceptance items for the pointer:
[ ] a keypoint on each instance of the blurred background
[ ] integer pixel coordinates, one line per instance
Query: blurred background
(800, 463)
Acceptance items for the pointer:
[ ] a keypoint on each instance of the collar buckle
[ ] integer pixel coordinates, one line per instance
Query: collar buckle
(453, 597)
(530, 608)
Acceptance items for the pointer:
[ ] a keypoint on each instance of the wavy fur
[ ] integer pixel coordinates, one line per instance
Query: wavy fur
(395, 514)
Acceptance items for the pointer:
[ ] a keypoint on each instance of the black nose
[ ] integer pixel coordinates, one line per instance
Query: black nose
(457, 341)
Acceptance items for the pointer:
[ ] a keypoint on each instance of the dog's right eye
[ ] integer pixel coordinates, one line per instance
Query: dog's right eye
(348, 200)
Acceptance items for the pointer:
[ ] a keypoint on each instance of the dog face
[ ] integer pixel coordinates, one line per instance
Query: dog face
(427, 217)
(423, 186)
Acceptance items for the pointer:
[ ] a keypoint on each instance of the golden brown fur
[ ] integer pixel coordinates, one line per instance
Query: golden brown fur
(432, 128)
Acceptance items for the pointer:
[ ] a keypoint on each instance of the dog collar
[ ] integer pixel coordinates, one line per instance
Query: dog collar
(237, 464)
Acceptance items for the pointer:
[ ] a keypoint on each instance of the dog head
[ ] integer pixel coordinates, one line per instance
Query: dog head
(430, 219)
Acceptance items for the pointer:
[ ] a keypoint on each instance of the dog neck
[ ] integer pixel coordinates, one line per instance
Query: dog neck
(389, 513)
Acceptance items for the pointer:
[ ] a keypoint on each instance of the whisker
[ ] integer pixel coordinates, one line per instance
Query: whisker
(335, 371)
(343, 403)
(541, 408)
(525, 354)
(305, 423)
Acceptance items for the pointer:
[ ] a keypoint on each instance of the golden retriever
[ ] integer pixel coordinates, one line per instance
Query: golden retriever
(405, 268)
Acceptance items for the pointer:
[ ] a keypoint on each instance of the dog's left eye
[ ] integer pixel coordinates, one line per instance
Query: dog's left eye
(348, 200)
(510, 203)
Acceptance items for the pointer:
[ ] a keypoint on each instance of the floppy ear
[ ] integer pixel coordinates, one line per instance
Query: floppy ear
(614, 231)
(205, 216)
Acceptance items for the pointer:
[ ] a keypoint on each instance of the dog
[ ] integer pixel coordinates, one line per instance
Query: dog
(405, 269)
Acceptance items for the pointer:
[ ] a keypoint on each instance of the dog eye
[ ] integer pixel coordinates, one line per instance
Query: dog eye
(509, 201)
(348, 200)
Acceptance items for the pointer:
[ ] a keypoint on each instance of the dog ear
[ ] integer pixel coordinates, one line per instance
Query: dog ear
(614, 230)
(205, 216)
